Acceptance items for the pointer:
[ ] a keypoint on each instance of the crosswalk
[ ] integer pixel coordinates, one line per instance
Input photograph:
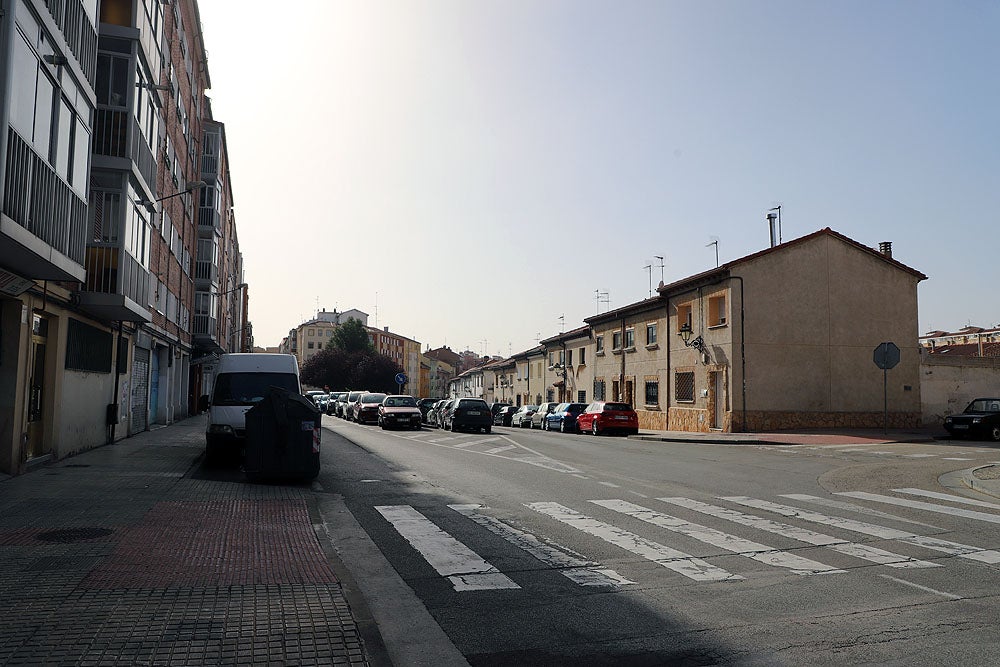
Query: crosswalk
(670, 538)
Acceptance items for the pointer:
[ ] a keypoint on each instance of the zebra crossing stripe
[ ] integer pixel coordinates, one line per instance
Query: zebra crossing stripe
(951, 548)
(678, 561)
(945, 496)
(753, 550)
(450, 558)
(920, 505)
(497, 450)
(862, 551)
(571, 566)
(861, 509)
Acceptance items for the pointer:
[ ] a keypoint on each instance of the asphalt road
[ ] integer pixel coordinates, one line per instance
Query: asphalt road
(531, 548)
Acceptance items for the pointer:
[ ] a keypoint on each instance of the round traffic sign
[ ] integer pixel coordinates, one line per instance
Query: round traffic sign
(400, 378)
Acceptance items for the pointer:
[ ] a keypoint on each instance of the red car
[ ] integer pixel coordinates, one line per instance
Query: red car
(602, 417)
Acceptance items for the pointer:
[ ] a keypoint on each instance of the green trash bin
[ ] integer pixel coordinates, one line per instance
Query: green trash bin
(283, 437)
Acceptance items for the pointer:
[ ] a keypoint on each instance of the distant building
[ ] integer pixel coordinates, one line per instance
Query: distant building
(968, 341)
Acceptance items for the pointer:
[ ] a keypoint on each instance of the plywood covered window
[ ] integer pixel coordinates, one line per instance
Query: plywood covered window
(683, 315)
(717, 310)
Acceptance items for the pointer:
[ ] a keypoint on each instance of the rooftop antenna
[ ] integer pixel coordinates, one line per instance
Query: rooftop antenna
(715, 242)
(649, 271)
(661, 266)
(562, 322)
(376, 310)
(602, 297)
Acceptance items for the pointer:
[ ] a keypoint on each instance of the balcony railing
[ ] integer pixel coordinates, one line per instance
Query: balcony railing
(36, 198)
(112, 138)
(205, 325)
(206, 271)
(210, 165)
(114, 271)
(208, 218)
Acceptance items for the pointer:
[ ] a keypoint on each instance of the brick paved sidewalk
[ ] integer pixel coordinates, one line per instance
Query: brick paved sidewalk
(128, 555)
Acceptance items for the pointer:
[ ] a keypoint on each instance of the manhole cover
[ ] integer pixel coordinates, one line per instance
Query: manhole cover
(68, 535)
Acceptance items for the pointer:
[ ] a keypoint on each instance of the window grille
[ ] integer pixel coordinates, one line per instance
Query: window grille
(684, 386)
(652, 392)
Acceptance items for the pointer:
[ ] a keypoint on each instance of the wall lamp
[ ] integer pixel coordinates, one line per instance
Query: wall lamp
(154, 86)
(235, 289)
(190, 186)
(685, 334)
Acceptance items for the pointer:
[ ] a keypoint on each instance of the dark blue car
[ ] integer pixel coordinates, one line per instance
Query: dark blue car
(563, 418)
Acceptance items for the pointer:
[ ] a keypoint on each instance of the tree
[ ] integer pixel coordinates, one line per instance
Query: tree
(342, 371)
(351, 336)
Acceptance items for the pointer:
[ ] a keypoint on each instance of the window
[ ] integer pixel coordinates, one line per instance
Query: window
(583, 358)
(629, 338)
(598, 390)
(581, 396)
(652, 392)
(717, 310)
(600, 346)
(311, 344)
(684, 386)
(683, 315)
(616, 340)
(311, 332)
(87, 348)
(651, 333)
(552, 358)
(569, 357)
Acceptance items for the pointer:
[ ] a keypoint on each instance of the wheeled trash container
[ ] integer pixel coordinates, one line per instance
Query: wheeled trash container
(283, 436)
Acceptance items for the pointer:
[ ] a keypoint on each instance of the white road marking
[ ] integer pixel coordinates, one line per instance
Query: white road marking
(951, 548)
(955, 458)
(437, 440)
(862, 551)
(497, 450)
(861, 509)
(470, 443)
(945, 496)
(538, 459)
(678, 561)
(950, 596)
(920, 505)
(581, 476)
(737, 545)
(613, 486)
(920, 456)
(571, 565)
(450, 558)
(641, 495)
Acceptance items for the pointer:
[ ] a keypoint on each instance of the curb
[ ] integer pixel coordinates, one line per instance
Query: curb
(978, 485)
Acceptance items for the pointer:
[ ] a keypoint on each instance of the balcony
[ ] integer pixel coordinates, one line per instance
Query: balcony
(209, 219)
(116, 287)
(206, 273)
(43, 228)
(117, 135)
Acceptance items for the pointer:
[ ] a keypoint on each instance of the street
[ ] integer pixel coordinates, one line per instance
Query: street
(540, 548)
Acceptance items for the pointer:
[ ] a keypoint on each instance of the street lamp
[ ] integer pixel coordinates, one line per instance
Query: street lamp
(190, 186)
(685, 334)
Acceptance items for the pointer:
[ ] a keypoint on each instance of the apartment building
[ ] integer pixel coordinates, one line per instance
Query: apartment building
(970, 341)
(102, 109)
(404, 351)
(568, 376)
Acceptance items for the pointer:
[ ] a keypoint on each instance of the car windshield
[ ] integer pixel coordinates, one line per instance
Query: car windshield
(617, 406)
(400, 402)
(576, 408)
(472, 403)
(984, 405)
(249, 388)
(373, 398)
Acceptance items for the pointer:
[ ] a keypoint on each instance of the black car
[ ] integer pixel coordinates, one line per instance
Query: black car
(980, 420)
(504, 415)
(425, 404)
(468, 414)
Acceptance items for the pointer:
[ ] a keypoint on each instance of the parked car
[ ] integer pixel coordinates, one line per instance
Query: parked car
(504, 415)
(352, 400)
(344, 404)
(321, 401)
(605, 417)
(563, 418)
(313, 395)
(497, 407)
(366, 408)
(468, 414)
(399, 411)
(435, 413)
(331, 405)
(522, 417)
(544, 410)
(425, 405)
(981, 419)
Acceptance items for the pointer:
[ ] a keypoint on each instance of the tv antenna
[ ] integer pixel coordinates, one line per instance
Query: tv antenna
(649, 271)
(715, 242)
(661, 265)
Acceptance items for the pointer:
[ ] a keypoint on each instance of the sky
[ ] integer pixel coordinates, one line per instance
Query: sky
(472, 173)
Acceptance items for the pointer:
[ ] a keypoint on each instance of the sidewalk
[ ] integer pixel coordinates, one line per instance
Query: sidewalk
(812, 437)
(128, 555)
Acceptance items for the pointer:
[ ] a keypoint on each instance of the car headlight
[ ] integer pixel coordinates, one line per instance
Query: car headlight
(947, 420)
(221, 429)
(976, 420)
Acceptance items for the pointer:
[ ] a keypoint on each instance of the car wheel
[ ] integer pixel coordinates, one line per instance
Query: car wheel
(487, 429)
(995, 433)
(594, 428)
(562, 426)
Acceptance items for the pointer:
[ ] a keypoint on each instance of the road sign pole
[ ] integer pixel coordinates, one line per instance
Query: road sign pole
(885, 401)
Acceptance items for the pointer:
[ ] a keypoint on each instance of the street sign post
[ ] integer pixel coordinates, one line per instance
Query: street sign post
(886, 356)
(400, 380)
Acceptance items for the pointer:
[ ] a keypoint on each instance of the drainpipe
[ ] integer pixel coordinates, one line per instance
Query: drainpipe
(621, 377)
(113, 409)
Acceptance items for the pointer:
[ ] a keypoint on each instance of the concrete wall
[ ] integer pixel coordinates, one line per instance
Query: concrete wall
(948, 384)
(815, 312)
(84, 399)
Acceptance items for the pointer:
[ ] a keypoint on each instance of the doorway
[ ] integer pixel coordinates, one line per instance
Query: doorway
(37, 394)
(717, 380)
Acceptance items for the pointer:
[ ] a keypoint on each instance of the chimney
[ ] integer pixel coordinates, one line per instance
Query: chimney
(885, 247)
(386, 329)
(771, 219)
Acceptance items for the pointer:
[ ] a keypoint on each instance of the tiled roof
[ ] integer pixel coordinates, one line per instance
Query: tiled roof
(966, 350)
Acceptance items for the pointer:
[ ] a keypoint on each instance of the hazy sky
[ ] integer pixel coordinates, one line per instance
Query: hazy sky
(478, 168)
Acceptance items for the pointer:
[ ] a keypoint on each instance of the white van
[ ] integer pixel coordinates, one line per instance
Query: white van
(242, 380)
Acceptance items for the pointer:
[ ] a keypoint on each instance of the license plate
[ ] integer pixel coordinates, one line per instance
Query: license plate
(622, 417)
(960, 426)
(473, 412)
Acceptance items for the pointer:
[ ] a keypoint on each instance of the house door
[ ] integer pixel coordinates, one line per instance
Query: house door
(154, 386)
(36, 395)
(718, 380)
(140, 390)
